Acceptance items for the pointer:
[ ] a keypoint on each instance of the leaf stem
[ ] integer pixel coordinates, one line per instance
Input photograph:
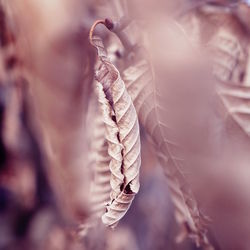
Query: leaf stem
(115, 27)
(92, 29)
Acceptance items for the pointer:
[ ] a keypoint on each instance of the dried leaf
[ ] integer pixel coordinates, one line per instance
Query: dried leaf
(140, 84)
(236, 100)
(123, 137)
(229, 57)
(228, 44)
(229, 52)
(223, 29)
(100, 159)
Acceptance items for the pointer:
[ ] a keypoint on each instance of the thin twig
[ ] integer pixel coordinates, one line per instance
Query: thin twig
(118, 29)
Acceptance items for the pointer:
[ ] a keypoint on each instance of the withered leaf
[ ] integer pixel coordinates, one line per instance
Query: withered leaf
(229, 57)
(223, 30)
(123, 137)
(139, 80)
(99, 160)
(228, 44)
(236, 100)
(100, 163)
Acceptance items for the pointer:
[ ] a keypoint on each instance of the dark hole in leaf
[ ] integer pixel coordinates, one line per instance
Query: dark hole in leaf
(121, 187)
(128, 189)
(113, 118)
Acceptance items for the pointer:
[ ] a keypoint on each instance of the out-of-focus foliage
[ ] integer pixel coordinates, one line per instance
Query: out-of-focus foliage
(156, 94)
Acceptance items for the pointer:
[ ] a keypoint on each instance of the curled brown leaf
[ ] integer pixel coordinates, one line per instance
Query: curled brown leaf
(123, 136)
